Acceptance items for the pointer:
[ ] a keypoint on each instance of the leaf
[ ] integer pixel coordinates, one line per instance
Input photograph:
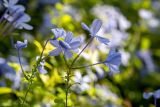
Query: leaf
(5, 90)
(58, 100)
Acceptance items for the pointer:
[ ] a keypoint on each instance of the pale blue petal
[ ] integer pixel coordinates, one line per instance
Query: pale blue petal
(20, 45)
(42, 70)
(157, 94)
(68, 54)
(64, 45)
(85, 27)
(113, 68)
(54, 43)
(13, 2)
(114, 58)
(95, 27)
(68, 37)
(16, 9)
(103, 40)
(76, 50)
(147, 95)
(24, 18)
(55, 52)
(58, 32)
(75, 44)
(26, 26)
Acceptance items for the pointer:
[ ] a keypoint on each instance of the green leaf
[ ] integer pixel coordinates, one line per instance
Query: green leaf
(5, 90)
(58, 100)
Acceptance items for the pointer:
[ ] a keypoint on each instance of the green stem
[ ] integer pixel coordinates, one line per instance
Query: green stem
(27, 93)
(91, 39)
(33, 72)
(79, 67)
(70, 68)
(19, 58)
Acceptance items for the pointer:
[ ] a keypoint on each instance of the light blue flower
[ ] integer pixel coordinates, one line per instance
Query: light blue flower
(41, 68)
(155, 94)
(10, 3)
(16, 16)
(58, 32)
(113, 61)
(95, 27)
(66, 46)
(19, 45)
(12, 6)
(21, 22)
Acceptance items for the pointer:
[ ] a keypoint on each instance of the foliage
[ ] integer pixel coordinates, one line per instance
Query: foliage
(62, 59)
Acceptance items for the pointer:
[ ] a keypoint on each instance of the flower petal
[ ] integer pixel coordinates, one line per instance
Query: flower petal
(24, 18)
(58, 32)
(147, 95)
(42, 70)
(68, 37)
(54, 43)
(114, 57)
(95, 27)
(103, 40)
(64, 45)
(55, 52)
(85, 27)
(75, 44)
(157, 94)
(20, 45)
(113, 68)
(68, 53)
(25, 25)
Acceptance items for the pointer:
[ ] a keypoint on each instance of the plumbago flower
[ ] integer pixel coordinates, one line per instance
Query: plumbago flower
(20, 45)
(113, 61)
(15, 15)
(10, 3)
(95, 27)
(155, 94)
(67, 46)
(19, 20)
(41, 68)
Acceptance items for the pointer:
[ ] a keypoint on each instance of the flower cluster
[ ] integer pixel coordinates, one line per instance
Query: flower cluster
(64, 42)
(14, 17)
(95, 27)
(155, 94)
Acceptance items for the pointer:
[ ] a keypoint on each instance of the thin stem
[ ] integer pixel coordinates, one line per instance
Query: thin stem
(155, 102)
(27, 93)
(67, 84)
(43, 49)
(19, 58)
(70, 68)
(3, 15)
(91, 39)
(33, 72)
(79, 67)
(65, 61)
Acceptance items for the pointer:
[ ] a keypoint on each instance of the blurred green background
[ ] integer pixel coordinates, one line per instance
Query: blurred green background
(133, 27)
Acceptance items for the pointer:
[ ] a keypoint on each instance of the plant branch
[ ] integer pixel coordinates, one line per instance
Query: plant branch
(79, 67)
(91, 39)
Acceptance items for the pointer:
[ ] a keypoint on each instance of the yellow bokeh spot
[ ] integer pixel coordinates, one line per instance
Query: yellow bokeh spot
(59, 6)
(5, 90)
(66, 18)
(145, 44)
